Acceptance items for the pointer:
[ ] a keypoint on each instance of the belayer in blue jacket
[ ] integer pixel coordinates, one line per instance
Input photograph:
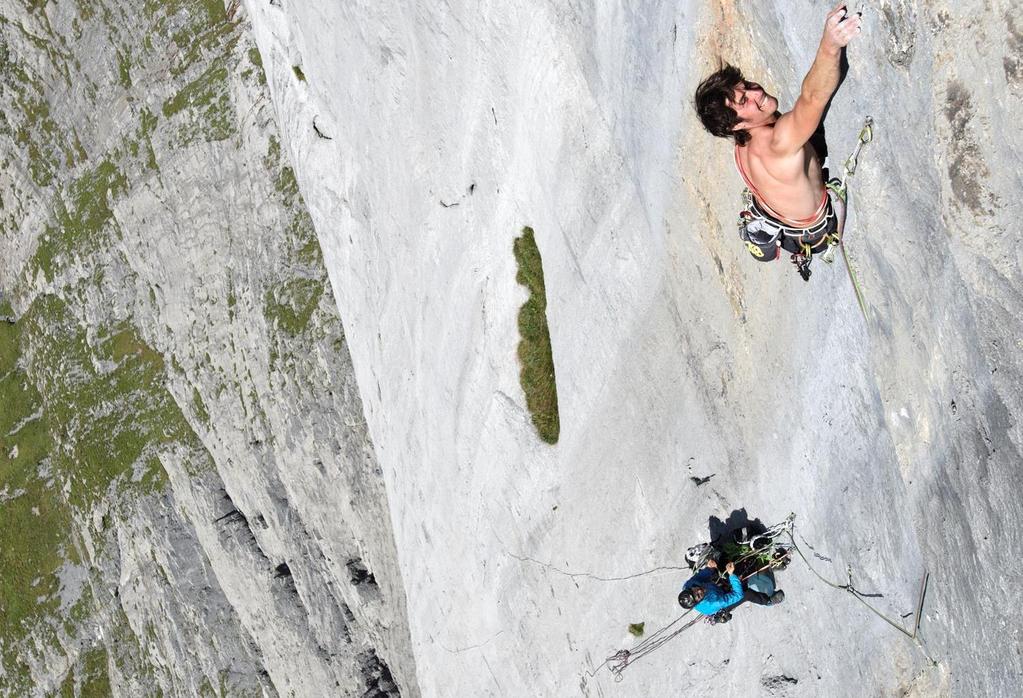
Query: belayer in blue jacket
(703, 595)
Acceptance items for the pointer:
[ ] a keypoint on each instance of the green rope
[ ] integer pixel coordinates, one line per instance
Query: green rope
(848, 170)
(856, 594)
(852, 278)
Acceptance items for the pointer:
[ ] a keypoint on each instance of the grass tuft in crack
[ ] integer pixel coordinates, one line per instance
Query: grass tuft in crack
(537, 374)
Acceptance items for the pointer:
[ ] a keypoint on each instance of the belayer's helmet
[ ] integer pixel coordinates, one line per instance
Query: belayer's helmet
(687, 599)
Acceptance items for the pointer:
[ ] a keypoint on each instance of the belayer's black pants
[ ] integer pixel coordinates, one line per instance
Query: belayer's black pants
(756, 597)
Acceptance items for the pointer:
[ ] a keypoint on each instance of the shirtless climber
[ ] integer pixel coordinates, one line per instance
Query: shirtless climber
(789, 208)
(706, 597)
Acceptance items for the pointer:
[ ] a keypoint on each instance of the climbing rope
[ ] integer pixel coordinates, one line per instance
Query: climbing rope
(623, 659)
(861, 597)
(842, 191)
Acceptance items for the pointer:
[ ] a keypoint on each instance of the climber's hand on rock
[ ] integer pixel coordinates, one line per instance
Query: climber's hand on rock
(840, 28)
(730, 567)
(713, 564)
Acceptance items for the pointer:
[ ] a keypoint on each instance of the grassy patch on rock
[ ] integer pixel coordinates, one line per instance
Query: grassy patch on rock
(110, 400)
(90, 674)
(85, 420)
(290, 304)
(205, 35)
(537, 374)
(88, 412)
(81, 218)
(34, 520)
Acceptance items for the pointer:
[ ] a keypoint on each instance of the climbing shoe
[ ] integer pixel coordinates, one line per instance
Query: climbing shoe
(720, 617)
(777, 597)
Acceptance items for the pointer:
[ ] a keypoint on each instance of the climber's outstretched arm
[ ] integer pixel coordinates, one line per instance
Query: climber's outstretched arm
(794, 129)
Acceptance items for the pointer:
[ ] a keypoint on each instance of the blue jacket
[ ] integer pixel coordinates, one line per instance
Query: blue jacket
(714, 599)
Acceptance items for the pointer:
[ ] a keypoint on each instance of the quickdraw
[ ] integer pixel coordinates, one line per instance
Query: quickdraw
(866, 135)
(842, 191)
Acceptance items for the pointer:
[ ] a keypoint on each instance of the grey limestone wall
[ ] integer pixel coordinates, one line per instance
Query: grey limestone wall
(190, 501)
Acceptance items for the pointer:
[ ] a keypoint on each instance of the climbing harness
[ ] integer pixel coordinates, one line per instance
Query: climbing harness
(766, 233)
(766, 236)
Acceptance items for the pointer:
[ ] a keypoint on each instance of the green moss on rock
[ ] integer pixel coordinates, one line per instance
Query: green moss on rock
(290, 305)
(208, 102)
(110, 402)
(81, 219)
(86, 419)
(94, 677)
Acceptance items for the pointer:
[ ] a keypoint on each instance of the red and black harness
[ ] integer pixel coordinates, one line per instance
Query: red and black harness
(766, 232)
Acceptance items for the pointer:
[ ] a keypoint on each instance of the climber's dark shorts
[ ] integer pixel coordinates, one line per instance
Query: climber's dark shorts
(792, 241)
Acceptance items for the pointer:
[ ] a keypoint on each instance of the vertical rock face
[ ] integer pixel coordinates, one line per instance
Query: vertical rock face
(185, 472)
(425, 138)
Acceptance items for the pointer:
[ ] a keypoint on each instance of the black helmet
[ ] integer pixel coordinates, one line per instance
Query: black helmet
(686, 598)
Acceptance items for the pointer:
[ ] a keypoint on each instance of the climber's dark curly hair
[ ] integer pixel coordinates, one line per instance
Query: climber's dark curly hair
(718, 117)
